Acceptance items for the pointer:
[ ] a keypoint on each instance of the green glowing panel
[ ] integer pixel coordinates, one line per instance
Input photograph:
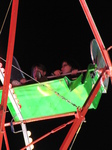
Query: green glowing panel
(54, 97)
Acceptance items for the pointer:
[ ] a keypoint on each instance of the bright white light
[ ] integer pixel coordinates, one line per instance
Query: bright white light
(30, 139)
(29, 133)
(32, 146)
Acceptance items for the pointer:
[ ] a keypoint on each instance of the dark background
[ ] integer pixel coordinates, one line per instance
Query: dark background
(46, 32)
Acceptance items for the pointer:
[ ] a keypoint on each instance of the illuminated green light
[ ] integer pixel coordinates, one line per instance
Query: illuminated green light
(50, 98)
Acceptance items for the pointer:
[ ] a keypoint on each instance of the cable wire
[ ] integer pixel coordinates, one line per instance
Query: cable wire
(58, 94)
(5, 17)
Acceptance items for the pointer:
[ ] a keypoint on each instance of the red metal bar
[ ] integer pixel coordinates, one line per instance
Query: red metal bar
(93, 27)
(97, 35)
(81, 114)
(42, 118)
(47, 134)
(77, 123)
(93, 93)
(71, 133)
(6, 140)
(9, 57)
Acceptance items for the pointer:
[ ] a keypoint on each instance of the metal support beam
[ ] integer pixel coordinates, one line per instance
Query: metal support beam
(93, 26)
(81, 114)
(10, 49)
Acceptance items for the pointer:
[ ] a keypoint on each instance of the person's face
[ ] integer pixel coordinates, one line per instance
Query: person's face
(43, 73)
(35, 72)
(65, 68)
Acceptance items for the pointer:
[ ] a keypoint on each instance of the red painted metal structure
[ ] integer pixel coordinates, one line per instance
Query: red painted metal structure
(96, 33)
(80, 115)
(10, 49)
(83, 111)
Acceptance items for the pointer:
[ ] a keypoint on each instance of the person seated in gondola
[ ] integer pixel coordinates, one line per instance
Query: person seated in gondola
(67, 68)
(17, 77)
(39, 73)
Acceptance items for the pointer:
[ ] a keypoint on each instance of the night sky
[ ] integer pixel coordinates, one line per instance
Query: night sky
(48, 31)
